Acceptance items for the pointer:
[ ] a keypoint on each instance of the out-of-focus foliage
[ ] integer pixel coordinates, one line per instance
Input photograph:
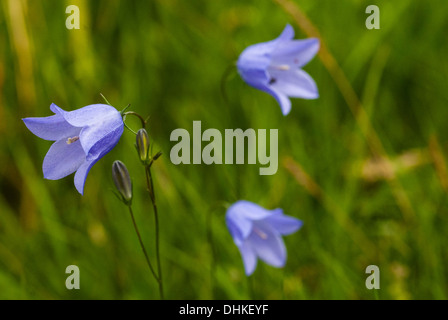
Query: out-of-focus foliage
(167, 58)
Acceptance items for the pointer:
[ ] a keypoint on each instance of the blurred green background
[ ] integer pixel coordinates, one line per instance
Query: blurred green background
(384, 206)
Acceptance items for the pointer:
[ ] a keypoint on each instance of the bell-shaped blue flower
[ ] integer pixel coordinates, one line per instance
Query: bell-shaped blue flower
(82, 137)
(275, 67)
(257, 232)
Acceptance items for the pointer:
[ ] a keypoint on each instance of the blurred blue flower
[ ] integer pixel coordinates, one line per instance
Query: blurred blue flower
(82, 137)
(257, 232)
(274, 67)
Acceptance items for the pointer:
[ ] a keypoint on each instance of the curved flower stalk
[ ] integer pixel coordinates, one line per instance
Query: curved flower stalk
(82, 137)
(257, 232)
(275, 67)
(123, 183)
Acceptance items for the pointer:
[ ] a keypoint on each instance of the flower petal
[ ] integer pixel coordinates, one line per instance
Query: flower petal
(239, 227)
(260, 53)
(282, 99)
(249, 257)
(50, 128)
(282, 223)
(254, 76)
(268, 244)
(63, 159)
(96, 152)
(97, 140)
(255, 59)
(287, 33)
(249, 210)
(81, 175)
(296, 52)
(294, 83)
(88, 115)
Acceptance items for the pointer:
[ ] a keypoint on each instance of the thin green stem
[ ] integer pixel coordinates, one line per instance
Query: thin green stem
(132, 113)
(212, 251)
(142, 245)
(227, 72)
(376, 294)
(127, 127)
(105, 99)
(209, 235)
(282, 285)
(150, 186)
(250, 286)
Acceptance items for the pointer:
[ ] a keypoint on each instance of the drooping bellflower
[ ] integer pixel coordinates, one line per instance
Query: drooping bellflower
(257, 232)
(82, 137)
(275, 67)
